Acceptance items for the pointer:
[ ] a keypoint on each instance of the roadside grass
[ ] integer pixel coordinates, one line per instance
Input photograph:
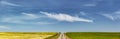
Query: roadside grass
(26, 35)
(93, 35)
(54, 36)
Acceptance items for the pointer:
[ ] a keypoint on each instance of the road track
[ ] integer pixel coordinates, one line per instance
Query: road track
(62, 36)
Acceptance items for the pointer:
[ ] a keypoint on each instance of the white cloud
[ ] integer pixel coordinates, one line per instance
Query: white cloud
(117, 12)
(65, 17)
(89, 5)
(83, 13)
(16, 19)
(44, 23)
(114, 16)
(30, 15)
(109, 16)
(8, 3)
(25, 18)
(23, 21)
(4, 28)
(11, 20)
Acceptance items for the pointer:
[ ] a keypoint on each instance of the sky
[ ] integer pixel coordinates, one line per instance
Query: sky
(59, 15)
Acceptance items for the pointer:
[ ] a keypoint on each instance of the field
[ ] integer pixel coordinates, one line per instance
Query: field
(26, 35)
(93, 35)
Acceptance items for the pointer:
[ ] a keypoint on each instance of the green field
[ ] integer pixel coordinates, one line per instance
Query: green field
(27, 35)
(93, 35)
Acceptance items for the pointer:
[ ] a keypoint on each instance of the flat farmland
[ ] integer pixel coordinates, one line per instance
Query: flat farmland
(26, 35)
(93, 35)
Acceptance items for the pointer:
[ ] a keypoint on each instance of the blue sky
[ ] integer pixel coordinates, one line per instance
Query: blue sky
(59, 15)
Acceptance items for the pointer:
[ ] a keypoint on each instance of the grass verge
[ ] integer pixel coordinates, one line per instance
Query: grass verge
(93, 35)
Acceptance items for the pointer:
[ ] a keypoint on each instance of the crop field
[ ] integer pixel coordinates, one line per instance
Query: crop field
(93, 35)
(26, 35)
